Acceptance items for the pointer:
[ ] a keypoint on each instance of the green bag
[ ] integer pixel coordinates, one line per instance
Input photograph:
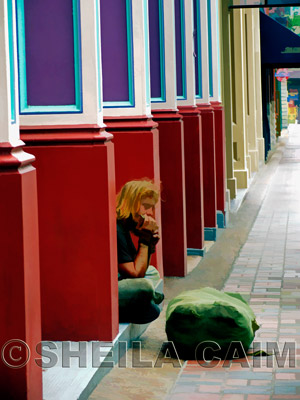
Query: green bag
(207, 314)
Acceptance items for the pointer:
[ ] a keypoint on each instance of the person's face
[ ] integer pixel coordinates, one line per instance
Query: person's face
(147, 207)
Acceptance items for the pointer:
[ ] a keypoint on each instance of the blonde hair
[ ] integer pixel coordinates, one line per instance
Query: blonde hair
(130, 196)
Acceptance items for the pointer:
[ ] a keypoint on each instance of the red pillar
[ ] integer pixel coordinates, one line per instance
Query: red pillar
(172, 173)
(220, 155)
(19, 275)
(209, 170)
(76, 193)
(193, 178)
(137, 156)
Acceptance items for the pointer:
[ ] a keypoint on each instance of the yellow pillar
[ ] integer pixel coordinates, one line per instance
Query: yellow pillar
(251, 89)
(241, 162)
(260, 141)
(226, 94)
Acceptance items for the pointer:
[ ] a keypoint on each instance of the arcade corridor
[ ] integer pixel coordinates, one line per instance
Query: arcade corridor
(262, 245)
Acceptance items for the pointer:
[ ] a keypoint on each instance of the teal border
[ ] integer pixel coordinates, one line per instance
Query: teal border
(162, 56)
(131, 101)
(98, 55)
(147, 59)
(218, 50)
(11, 61)
(210, 234)
(183, 50)
(196, 252)
(199, 93)
(72, 108)
(221, 219)
(210, 66)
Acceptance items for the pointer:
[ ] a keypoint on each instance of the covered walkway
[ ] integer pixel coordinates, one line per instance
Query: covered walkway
(257, 256)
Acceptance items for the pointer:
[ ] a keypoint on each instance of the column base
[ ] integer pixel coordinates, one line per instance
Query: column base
(78, 244)
(20, 311)
(136, 157)
(232, 187)
(173, 206)
(210, 234)
(196, 252)
(261, 148)
(249, 165)
(241, 178)
(254, 160)
(221, 219)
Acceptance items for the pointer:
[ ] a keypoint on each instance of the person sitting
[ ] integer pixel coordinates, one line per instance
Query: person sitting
(136, 203)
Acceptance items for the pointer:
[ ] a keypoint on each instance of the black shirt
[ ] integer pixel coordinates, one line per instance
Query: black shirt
(126, 249)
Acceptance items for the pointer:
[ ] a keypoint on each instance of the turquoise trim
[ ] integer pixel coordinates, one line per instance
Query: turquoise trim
(11, 61)
(218, 50)
(183, 50)
(117, 104)
(210, 67)
(22, 55)
(147, 60)
(199, 93)
(162, 97)
(221, 222)
(131, 99)
(72, 108)
(50, 109)
(77, 54)
(196, 252)
(98, 56)
(210, 234)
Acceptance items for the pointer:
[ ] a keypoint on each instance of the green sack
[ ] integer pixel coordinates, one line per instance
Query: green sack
(207, 314)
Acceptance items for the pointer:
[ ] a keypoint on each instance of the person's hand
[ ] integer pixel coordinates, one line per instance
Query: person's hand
(149, 224)
(153, 242)
(148, 238)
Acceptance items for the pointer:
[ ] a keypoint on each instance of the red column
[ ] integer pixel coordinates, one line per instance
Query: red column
(193, 178)
(76, 193)
(137, 156)
(172, 173)
(209, 170)
(19, 275)
(220, 155)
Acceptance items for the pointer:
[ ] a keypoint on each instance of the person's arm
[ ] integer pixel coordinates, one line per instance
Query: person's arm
(138, 267)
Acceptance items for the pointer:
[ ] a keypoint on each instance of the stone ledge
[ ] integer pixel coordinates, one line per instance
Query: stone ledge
(77, 383)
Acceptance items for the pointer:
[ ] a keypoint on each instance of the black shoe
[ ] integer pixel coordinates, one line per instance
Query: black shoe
(158, 297)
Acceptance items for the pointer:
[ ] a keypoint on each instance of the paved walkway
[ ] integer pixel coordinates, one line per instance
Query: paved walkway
(258, 255)
(267, 272)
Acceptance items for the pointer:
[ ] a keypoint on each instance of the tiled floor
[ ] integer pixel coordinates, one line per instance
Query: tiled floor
(267, 274)
(257, 256)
